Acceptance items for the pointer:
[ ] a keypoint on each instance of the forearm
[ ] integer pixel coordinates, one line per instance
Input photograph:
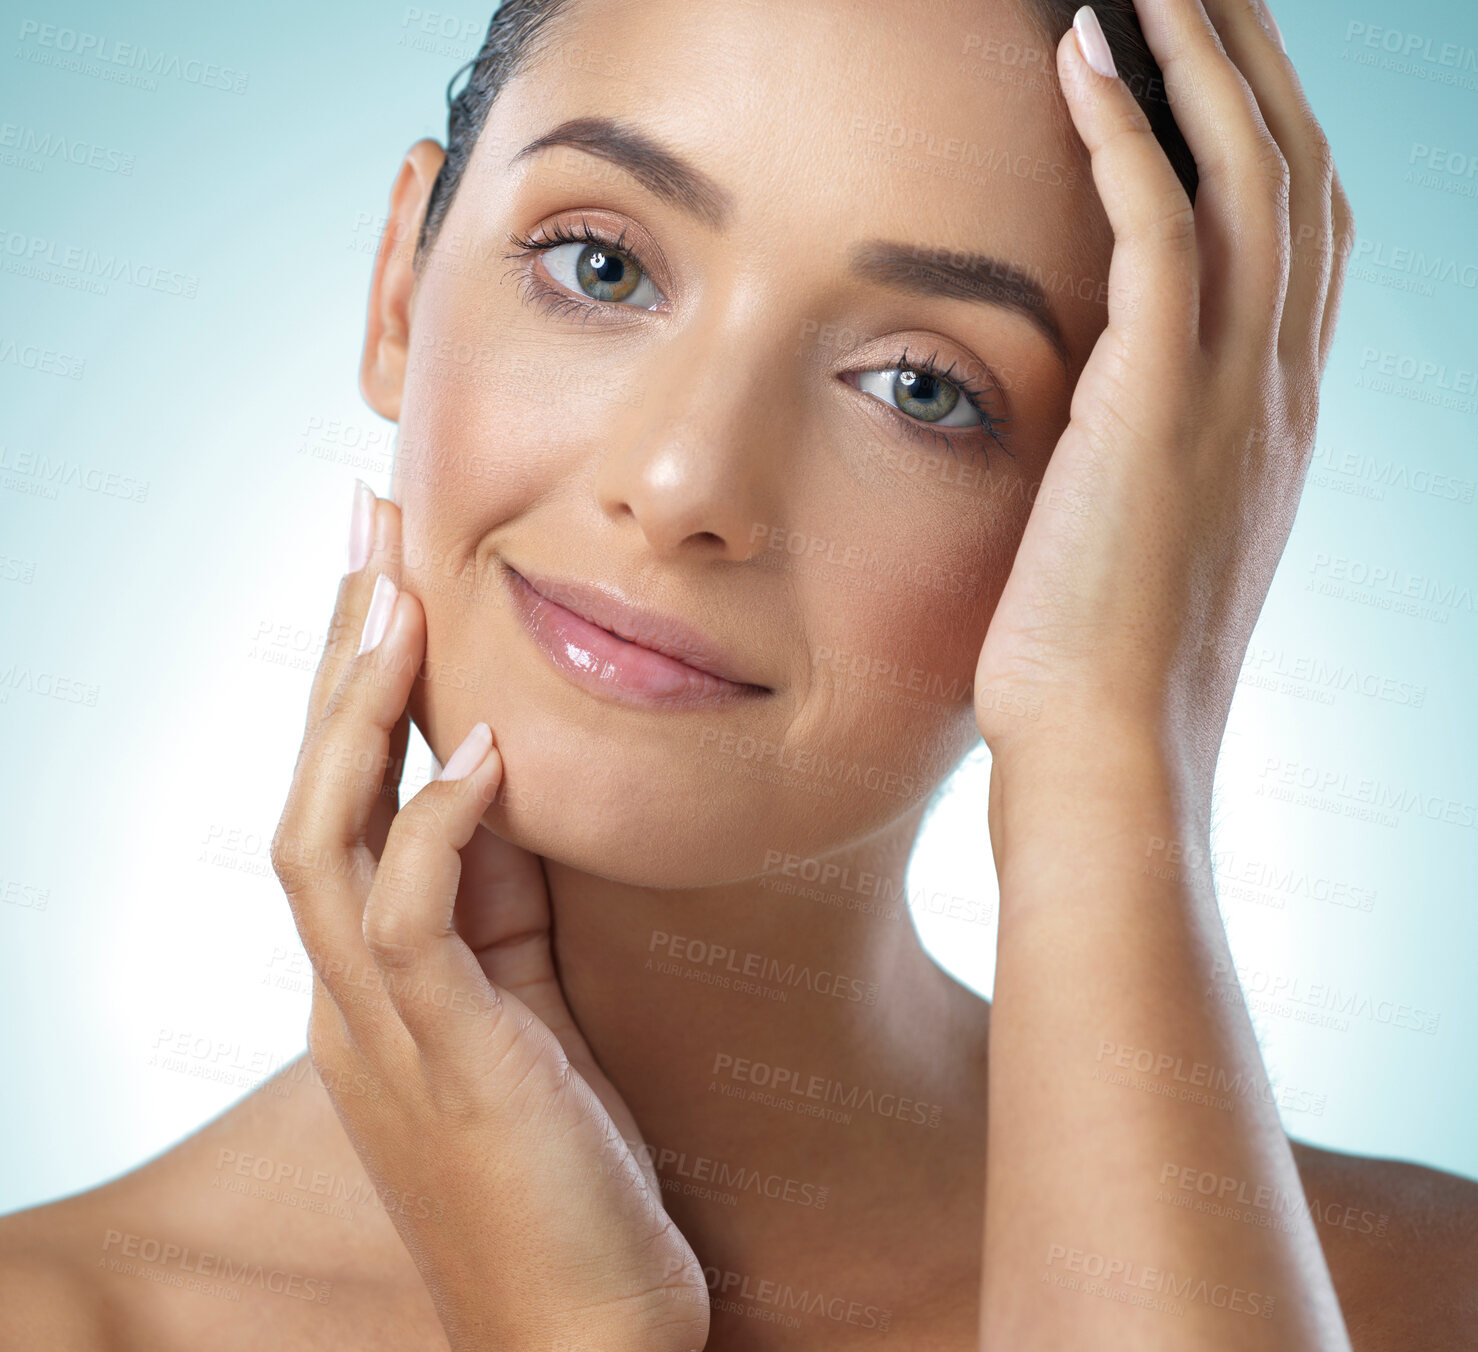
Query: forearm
(1121, 1054)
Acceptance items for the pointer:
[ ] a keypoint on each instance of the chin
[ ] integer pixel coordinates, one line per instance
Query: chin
(645, 812)
(640, 812)
(676, 798)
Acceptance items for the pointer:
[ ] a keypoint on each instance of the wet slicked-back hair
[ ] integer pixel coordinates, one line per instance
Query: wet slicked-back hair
(514, 35)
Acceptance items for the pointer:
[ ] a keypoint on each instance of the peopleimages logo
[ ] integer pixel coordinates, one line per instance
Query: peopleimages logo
(88, 268)
(47, 361)
(19, 141)
(803, 765)
(723, 1181)
(166, 1255)
(1412, 46)
(722, 960)
(728, 1288)
(786, 1082)
(1114, 1271)
(97, 54)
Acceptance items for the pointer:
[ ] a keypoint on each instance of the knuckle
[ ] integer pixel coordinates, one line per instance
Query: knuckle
(1321, 155)
(391, 938)
(1133, 121)
(1343, 244)
(344, 617)
(1131, 133)
(339, 705)
(300, 854)
(1273, 165)
(1344, 221)
(1171, 223)
(290, 862)
(418, 827)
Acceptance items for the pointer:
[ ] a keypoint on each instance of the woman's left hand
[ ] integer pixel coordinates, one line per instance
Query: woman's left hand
(1145, 561)
(1169, 499)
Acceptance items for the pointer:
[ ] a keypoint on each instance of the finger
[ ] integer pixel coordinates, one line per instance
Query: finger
(321, 850)
(436, 984)
(369, 529)
(1342, 244)
(338, 1062)
(374, 547)
(1243, 178)
(388, 799)
(1154, 279)
(330, 1048)
(385, 556)
(1259, 55)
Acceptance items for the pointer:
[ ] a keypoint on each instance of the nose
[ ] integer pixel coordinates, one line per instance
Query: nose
(696, 466)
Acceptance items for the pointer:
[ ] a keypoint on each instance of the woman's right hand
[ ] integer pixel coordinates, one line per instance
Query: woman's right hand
(434, 985)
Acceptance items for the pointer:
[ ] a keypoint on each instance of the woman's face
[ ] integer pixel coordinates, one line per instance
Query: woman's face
(781, 379)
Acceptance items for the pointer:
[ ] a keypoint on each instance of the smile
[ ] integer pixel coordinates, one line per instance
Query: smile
(614, 651)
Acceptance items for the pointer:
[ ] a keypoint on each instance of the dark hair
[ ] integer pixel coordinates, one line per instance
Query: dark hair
(513, 35)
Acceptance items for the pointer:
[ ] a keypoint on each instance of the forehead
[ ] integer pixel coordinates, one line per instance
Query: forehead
(933, 122)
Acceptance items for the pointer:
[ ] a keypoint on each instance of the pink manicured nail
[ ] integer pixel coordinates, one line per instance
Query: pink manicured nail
(1273, 24)
(467, 757)
(1092, 43)
(361, 525)
(377, 618)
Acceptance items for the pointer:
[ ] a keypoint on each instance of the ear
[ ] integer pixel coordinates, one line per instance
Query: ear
(387, 331)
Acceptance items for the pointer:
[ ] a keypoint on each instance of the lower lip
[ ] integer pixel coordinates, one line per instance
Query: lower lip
(598, 661)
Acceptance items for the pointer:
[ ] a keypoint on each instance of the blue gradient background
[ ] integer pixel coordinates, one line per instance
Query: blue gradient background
(180, 631)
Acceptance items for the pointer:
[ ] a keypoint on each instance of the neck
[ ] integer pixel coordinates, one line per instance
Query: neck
(791, 1026)
(678, 993)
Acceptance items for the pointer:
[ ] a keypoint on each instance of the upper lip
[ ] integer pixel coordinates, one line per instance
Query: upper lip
(607, 609)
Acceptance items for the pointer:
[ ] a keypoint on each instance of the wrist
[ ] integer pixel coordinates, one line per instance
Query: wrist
(1092, 748)
(1117, 798)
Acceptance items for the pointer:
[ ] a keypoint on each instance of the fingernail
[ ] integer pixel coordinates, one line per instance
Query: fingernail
(377, 618)
(467, 757)
(1273, 24)
(361, 525)
(1092, 43)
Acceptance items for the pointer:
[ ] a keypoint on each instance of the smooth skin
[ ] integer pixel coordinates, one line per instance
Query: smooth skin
(477, 1000)
(553, 1232)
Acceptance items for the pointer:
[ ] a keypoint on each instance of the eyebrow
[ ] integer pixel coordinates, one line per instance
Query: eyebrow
(668, 176)
(959, 276)
(908, 267)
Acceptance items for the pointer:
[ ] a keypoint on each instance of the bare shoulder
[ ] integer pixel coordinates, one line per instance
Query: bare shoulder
(1401, 1240)
(259, 1230)
(49, 1297)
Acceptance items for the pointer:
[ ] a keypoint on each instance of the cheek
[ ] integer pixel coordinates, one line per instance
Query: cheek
(493, 428)
(486, 430)
(919, 543)
(500, 407)
(895, 635)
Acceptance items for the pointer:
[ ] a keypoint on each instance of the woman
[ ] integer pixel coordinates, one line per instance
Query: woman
(753, 361)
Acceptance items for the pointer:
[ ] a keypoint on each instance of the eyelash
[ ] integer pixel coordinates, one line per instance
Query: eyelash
(553, 298)
(556, 300)
(991, 424)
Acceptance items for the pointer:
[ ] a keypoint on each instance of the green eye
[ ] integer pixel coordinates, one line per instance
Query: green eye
(922, 395)
(601, 273)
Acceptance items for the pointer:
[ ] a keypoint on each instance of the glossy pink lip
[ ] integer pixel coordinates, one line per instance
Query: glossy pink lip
(612, 649)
